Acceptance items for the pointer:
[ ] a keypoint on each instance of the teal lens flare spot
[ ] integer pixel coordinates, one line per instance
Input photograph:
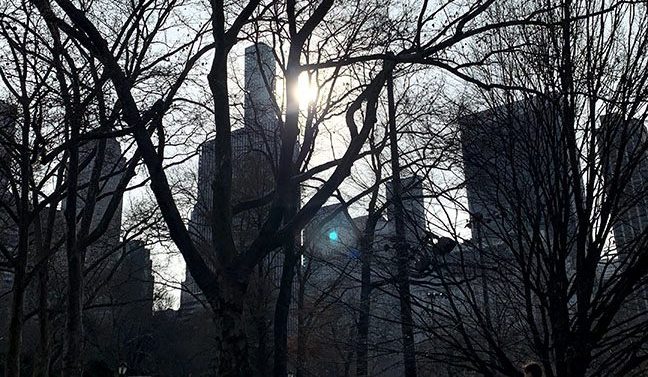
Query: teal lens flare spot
(333, 235)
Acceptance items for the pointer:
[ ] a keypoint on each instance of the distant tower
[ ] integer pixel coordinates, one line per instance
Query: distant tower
(508, 159)
(112, 170)
(624, 143)
(259, 87)
(413, 207)
(104, 253)
(254, 153)
(132, 286)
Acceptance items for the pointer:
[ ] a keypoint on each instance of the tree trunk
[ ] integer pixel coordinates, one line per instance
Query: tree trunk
(299, 358)
(402, 254)
(232, 345)
(74, 328)
(43, 244)
(20, 263)
(260, 320)
(12, 366)
(362, 352)
(41, 368)
(282, 310)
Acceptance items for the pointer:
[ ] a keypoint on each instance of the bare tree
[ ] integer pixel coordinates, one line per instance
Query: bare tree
(223, 272)
(26, 210)
(550, 171)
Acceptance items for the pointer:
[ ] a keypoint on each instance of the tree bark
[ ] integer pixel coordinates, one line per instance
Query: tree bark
(282, 310)
(12, 366)
(260, 320)
(20, 263)
(74, 328)
(282, 307)
(228, 307)
(362, 364)
(41, 366)
(366, 251)
(301, 349)
(402, 254)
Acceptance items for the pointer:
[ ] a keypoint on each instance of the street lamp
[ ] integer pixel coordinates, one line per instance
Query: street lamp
(121, 369)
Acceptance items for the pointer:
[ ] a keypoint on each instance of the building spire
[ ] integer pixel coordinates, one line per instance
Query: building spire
(259, 87)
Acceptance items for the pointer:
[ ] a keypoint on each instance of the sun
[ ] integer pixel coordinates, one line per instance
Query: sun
(306, 90)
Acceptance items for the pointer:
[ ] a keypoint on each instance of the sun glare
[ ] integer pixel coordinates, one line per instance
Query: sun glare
(306, 91)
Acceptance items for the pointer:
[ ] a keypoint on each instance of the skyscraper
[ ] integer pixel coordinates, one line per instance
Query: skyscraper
(623, 149)
(333, 261)
(511, 156)
(260, 73)
(255, 149)
(103, 253)
(413, 207)
(112, 170)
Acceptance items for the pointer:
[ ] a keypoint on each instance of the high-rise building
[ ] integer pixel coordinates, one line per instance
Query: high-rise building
(132, 285)
(113, 166)
(623, 149)
(511, 156)
(102, 255)
(101, 163)
(112, 171)
(413, 207)
(118, 283)
(520, 194)
(333, 259)
(260, 72)
(255, 151)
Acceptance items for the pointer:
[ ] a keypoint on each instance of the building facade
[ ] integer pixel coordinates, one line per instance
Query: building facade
(623, 149)
(515, 167)
(255, 151)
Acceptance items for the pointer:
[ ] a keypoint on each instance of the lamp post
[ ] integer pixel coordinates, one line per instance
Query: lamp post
(121, 369)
